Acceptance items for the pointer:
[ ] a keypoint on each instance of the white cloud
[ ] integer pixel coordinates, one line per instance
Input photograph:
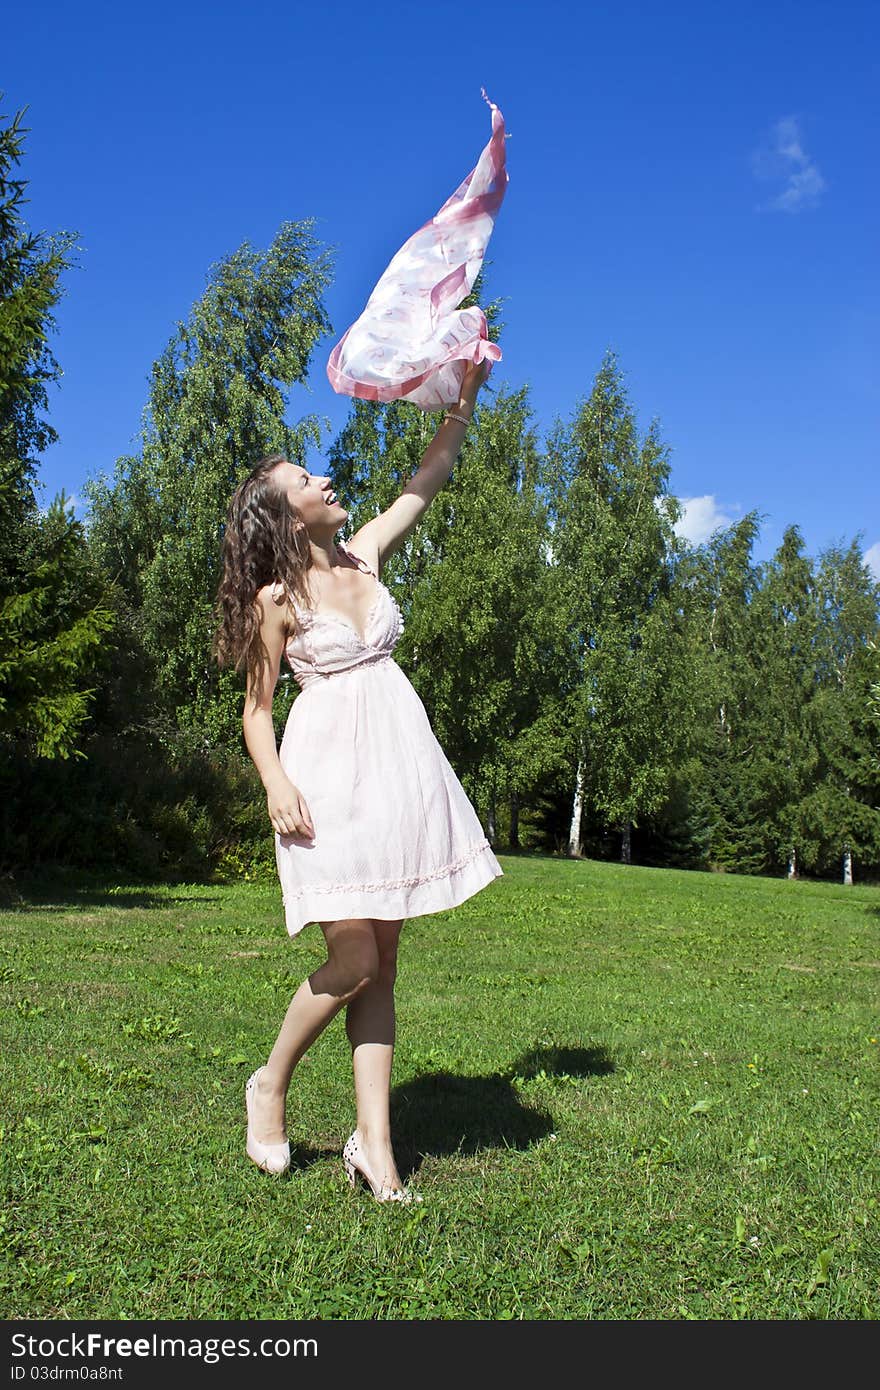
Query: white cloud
(872, 559)
(783, 159)
(699, 518)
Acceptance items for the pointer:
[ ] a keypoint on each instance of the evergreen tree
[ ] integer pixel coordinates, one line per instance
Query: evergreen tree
(31, 266)
(723, 584)
(614, 565)
(840, 817)
(785, 635)
(55, 608)
(785, 776)
(51, 635)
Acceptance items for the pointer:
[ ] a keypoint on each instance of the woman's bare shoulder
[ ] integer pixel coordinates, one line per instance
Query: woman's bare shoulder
(273, 606)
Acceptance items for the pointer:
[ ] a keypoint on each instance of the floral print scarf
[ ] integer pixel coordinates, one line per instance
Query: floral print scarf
(412, 342)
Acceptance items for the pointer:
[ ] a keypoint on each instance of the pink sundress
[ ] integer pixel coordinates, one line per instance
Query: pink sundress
(395, 833)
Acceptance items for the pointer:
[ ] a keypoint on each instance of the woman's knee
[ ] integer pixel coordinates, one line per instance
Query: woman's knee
(353, 958)
(358, 977)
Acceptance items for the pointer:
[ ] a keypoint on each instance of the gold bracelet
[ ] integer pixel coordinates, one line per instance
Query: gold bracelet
(451, 415)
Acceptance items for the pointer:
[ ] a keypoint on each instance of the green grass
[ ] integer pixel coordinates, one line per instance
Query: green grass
(623, 1093)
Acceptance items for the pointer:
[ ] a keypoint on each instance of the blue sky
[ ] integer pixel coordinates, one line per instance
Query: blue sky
(692, 184)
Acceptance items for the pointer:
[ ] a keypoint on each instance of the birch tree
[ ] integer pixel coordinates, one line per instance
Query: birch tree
(217, 401)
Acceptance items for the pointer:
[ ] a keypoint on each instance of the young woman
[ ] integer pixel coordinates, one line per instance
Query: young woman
(372, 826)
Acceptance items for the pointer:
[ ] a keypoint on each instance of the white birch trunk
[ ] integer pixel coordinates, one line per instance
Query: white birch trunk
(574, 834)
(847, 868)
(792, 863)
(626, 856)
(514, 820)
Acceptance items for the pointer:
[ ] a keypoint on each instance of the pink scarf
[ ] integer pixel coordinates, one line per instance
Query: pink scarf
(411, 341)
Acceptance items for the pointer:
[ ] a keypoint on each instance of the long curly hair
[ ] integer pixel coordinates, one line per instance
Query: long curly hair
(265, 540)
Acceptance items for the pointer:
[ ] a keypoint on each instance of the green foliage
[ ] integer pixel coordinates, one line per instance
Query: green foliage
(56, 610)
(785, 774)
(488, 658)
(614, 553)
(135, 805)
(31, 266)
(51, 635)
(217, 399)
(841, 810)
(786, 632)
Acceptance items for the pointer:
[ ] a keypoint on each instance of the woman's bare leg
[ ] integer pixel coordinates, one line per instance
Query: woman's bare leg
(370, 1025)
(352, 965)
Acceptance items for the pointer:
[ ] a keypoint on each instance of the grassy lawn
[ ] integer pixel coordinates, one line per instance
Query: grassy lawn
(623, 1093)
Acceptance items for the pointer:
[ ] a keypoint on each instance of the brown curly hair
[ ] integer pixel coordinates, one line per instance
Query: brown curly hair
(264, 541)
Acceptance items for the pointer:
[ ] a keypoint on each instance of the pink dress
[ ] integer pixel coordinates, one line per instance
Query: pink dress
(395, 833)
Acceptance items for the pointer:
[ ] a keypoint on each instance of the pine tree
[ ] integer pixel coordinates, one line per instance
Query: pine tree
(840, 817)
(785, 636)
(31, 266)
(614, 560)
(52, 632)
(55, 608)
(724, 582)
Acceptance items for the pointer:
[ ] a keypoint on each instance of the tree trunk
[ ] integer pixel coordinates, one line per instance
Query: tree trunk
(792, 863)
(514, 820)
(492, 832)
(574, 834)
(626, 849)
(847, 867)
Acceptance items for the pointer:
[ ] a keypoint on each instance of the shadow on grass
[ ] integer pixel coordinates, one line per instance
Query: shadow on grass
(55, 890)
(444, 1113)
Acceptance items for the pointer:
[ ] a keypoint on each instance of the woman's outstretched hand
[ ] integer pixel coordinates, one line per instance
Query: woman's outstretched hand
(288, 811)
(474, 378)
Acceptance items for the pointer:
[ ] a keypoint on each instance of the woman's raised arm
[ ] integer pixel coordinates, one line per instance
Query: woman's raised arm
(388, 531)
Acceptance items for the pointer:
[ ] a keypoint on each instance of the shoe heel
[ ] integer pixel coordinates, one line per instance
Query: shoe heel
(271, 1158)
(352, 1170)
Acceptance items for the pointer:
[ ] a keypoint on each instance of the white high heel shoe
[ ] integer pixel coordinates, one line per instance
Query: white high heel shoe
(272, 1158)
(355, 1162)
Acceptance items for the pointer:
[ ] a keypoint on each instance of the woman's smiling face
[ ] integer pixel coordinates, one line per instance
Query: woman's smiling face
(311, 496)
